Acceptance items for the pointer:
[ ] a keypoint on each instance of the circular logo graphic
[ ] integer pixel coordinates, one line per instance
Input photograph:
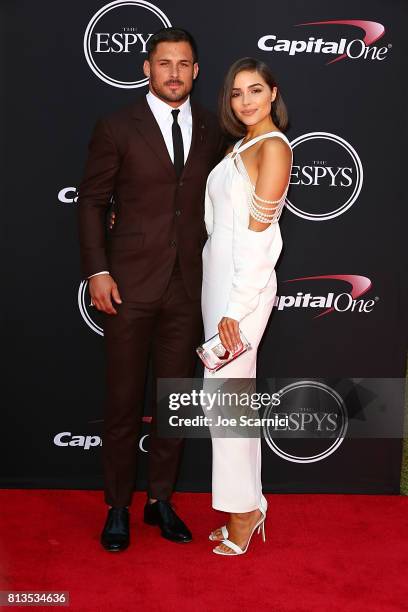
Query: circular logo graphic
(327, 176)
(141, 443)
(115, 41)
(317, 422)
(89, 313)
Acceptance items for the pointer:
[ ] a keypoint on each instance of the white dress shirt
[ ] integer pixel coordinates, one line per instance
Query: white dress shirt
(162, 113)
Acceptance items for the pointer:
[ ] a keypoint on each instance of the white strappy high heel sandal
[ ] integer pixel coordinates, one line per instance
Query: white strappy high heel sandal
(224, 532)
(260, 526)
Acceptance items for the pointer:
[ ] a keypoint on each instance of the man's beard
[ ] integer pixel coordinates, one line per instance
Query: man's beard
(166, 95)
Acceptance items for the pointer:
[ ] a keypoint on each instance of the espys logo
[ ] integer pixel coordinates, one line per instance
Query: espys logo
(355, 48)
(115, 41)
(317, 422)
(89, 313)
(342, 302)
(327, 176)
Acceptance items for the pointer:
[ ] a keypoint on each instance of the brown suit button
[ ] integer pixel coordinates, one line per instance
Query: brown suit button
(173, 244)
(181, 183)
(178, 212)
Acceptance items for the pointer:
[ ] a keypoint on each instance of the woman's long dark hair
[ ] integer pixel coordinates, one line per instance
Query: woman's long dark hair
(229, 123)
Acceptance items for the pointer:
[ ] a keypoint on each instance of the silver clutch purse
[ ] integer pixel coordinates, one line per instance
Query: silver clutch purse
(214, 355)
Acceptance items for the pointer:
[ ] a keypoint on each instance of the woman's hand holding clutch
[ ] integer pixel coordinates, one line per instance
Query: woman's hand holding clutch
(229, 334)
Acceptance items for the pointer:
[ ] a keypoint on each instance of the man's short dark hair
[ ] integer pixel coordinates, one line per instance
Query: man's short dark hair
(171, 35)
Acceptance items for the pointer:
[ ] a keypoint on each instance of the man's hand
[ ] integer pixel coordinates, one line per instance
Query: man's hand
(102, 288)
(229, 334)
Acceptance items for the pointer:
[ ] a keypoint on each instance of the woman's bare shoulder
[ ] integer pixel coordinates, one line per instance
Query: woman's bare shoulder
(271, 148)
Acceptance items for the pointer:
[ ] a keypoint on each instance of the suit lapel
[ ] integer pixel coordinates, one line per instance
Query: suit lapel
(151, 133)
(197, 138)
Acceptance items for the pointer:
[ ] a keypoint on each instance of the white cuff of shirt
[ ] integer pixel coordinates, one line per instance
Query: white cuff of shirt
(236, 311)
(97, 273)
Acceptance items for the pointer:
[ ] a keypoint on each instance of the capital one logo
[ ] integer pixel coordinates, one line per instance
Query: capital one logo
(330, 301)
(115, 41)
(316, 422)
(68, 195)
(65, 438)
(327, 176)
(351, 48)
(86, 442)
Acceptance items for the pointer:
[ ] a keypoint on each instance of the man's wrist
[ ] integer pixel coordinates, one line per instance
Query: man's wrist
(98, 273)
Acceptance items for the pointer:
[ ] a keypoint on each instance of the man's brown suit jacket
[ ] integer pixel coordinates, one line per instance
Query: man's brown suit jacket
(158, 215)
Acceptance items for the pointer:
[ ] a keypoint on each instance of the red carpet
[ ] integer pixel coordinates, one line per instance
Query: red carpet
(323, 553)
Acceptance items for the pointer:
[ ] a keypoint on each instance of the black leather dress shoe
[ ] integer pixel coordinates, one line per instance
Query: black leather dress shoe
(115, 534)
(172, 527)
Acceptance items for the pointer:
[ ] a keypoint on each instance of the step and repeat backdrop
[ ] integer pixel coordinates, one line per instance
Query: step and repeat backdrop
(336, 343)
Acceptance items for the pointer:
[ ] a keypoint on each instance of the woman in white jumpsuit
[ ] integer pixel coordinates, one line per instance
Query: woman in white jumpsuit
(244, 198)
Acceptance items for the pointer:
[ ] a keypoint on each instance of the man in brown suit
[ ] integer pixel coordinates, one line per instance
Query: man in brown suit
(145, 274)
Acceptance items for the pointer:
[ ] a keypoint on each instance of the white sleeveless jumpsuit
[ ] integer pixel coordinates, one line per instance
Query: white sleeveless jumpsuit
(239, 281)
